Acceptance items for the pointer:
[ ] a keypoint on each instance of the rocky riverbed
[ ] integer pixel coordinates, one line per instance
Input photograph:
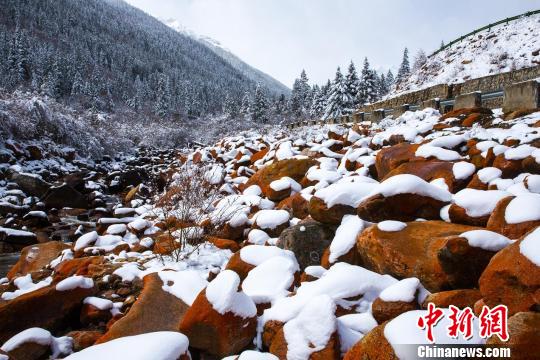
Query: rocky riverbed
(328, 242)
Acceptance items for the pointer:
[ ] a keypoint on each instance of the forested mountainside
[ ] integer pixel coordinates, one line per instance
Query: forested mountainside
(102, 54)
(254, 74)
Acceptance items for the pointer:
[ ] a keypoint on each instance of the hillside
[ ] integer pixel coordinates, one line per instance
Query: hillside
(104, 54)
(252, 73)
(506, 47)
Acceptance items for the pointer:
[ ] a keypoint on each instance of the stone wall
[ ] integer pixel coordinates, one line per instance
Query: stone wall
(443, 91)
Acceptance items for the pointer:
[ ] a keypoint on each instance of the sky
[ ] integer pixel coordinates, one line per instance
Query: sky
(282, 37)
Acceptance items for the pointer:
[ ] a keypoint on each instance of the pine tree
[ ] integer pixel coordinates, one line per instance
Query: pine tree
(382, 86)
(245, 108)
(163, 96)
(404, 69)
(339, 99)
(300, 95)
(23, 66)
(52, 86)
(419, 60)
(230, 108)
(389, 79)
(259, 106)
(280, 105)
(442, 45)
(352, 82)
(77, 88)
(367, 91)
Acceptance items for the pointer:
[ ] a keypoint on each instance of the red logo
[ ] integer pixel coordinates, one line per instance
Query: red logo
(492, 322)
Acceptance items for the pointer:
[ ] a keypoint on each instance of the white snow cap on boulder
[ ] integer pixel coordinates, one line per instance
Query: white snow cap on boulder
(410, 184)
(161, 345)
(224, 296)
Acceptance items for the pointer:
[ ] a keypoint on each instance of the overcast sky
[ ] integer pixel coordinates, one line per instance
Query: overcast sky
(282, 37)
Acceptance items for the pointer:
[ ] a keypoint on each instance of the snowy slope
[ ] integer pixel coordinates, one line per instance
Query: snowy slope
(503, 48)
(249, 71)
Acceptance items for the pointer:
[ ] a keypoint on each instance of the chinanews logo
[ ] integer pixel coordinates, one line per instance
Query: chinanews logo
(492, 322)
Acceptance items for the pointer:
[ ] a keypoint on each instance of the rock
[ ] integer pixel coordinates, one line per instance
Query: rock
(31, 184)
(224, 332)
(373, 346)
(36, 219)
(296, 204)
(224, 244)
(307, 240)
(513, 279)
(509, 168)
(401, 207)
(35, 257)
(84, 338)
(331, 351)
(239, 266)
(386, 310)
(390, 158)
(333, 215)
(497, 221)
(91, 315)
(432, 251)
(293, 168)
(460, 298)
(64, 196)
(17, 238)
(86, 266)
(524, 331)
(47, 308)
(131, 194)
(154, 310)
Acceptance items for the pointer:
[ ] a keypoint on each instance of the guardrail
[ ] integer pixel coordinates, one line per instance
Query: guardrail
(489, 26)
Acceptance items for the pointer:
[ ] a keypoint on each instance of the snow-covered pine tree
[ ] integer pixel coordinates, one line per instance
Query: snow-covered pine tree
(300, 95)
(314, 109)
(163, 96)
(52, 86)
(260, 106)
(245, 108)
(339, 100)
(419, 60)
(230, 107)
(389, 79)
(353, 84)
(382, 86)
(280, 105)
(404, 69)
(77, 88)
(367, 90)
(23, 64)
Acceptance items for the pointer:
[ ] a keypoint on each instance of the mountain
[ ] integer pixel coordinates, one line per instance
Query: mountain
(104, 54)
(273, 85)
(505, 47)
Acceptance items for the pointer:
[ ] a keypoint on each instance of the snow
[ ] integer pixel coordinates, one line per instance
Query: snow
(404, 290)
(139, 224)
(161, 345)
(463, 170)
(285, 183)
(403, 329)
(25, 285)
(223, 295)
(533, 183)
(257, 254)
(270, 219)
(16, 233)
(529, 246)
(85, 240)
(270, 280)
(410, 184)
(489, 174)
(522, 208)
(59, 346)
(345, 237)
(346, 284)
(185, 285)
(99, 303)
(74, 282)
(501, 48)
(391, 226)
(519, 153)
(311, 329)
(485, 239)
(350, 194)
(427, 151)
(252, 355)
(479, 203)
(114, 229)
(257, 237)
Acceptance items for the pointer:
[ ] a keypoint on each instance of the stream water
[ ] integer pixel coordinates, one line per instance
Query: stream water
(6, 262)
